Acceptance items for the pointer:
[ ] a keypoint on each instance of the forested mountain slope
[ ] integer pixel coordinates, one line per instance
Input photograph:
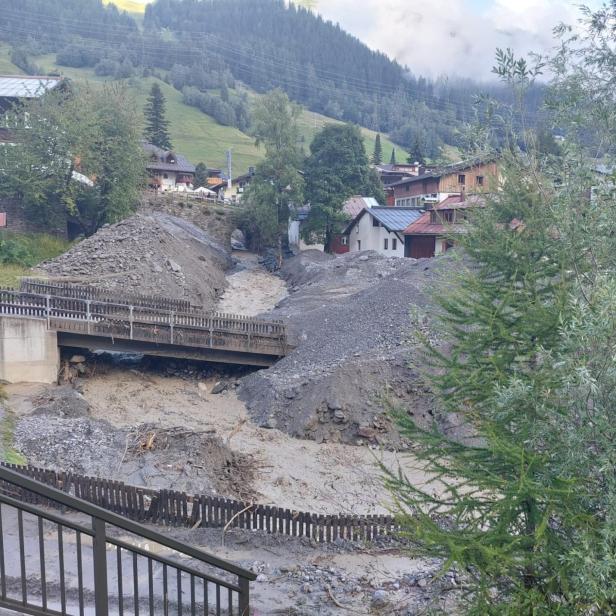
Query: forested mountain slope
(204, 47)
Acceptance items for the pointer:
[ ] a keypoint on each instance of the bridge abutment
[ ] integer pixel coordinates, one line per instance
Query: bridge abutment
(28, 351)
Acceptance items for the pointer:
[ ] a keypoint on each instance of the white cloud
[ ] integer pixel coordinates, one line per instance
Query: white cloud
(450, 36)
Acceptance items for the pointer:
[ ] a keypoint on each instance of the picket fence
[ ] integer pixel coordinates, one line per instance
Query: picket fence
(171, 508)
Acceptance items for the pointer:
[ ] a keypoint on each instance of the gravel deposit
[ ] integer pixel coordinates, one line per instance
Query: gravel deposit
(154, 254)
(351, 318)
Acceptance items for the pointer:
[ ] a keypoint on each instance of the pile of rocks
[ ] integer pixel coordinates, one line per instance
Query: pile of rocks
(352, 318)
(152, 254)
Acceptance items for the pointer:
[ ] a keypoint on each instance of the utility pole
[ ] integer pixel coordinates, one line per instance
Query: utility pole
(229, 168)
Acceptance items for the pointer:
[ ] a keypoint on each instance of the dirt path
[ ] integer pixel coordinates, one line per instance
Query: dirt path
(251, 289)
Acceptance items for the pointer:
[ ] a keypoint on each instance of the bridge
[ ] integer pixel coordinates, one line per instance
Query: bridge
(41, 314)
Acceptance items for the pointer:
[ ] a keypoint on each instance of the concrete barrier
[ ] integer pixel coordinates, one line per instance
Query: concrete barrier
(28, 351)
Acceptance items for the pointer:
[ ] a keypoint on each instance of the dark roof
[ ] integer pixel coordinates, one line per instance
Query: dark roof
(447, 169)
(392, 218)
(158, 160)
(26, 86)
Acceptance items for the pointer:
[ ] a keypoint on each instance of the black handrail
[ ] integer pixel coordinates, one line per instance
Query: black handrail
(11, 482)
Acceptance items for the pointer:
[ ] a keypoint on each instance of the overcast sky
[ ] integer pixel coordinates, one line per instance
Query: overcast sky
(454, 37)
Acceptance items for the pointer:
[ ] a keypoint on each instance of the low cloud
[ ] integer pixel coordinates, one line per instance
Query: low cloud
(450, 37)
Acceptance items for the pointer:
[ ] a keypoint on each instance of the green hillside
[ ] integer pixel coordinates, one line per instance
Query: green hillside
(6, 66)
(198, 136)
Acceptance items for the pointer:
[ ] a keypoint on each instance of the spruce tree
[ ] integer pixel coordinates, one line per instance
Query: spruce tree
(377, 156)
(416, 154)
(392, 160)
(156, 123)
(200, 175)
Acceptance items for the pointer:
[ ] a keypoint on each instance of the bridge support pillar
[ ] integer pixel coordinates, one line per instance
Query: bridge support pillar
(28, 351)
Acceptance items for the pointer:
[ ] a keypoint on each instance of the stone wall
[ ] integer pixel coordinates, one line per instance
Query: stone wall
(20, 222)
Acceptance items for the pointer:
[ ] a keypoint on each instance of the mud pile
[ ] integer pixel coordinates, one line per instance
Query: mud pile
(352, 318)
(153, 254)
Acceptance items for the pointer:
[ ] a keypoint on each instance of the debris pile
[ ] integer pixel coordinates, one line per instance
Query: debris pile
(60, 433)
(151, 254)
(351, 318)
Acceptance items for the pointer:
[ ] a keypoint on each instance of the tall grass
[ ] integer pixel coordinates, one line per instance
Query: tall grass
(21, 251)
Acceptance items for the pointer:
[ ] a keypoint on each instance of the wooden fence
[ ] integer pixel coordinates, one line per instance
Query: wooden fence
(172, 508)
(75, 291)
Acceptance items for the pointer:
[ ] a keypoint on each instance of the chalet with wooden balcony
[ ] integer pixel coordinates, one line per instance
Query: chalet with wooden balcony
(434, 185)
(167, 169)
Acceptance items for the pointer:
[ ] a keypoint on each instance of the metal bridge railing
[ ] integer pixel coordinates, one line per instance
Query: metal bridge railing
(91, 561)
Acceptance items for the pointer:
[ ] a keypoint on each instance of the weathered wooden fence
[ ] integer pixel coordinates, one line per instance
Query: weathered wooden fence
(76, 291)
(172, 508)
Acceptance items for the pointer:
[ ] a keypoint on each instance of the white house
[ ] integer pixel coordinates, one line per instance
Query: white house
(380, 229)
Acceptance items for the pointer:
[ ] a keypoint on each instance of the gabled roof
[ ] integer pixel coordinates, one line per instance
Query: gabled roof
(157, 160)
(424, 226)
(26, 86)
(456, 202)
(354, 205)
(392, 218)
(447, 169)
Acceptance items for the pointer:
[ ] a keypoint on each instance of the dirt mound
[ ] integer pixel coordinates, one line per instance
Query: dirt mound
(153, 254)
(351, 318)
(188, 461)
(60, 433)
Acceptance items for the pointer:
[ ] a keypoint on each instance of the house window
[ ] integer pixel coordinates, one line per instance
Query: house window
(479, 180)
(166, 176)
(447, 215)
(356, 228)
(408, 188)
(394, 244)
(375, 222)
(385, 244)
(343, 240)
(461, 179)
(358, 244)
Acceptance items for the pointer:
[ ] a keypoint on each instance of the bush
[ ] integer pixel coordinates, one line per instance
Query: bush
(27, 250)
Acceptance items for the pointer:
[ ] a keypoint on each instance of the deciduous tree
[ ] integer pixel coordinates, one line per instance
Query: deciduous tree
(277, 184)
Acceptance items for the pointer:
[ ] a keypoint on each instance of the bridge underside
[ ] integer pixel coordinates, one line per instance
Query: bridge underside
(99, 343)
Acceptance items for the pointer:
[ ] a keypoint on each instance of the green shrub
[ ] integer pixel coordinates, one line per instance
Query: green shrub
(26, 250)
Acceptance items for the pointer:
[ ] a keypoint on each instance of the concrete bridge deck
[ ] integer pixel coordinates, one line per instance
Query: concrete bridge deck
(111, 324)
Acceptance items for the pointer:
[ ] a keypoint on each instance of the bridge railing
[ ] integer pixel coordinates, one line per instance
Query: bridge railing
(68, 289)
(90, 558)
(202, 330)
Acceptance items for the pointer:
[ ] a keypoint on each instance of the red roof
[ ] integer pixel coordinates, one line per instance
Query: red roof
(423, 226)
(456, 202)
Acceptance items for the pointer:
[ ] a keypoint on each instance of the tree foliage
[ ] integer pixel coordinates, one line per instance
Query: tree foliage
(201, 175)
(156, 122)
(377, 156)
(92, 132)
(277, 184)
(336, 169)
(525, 505)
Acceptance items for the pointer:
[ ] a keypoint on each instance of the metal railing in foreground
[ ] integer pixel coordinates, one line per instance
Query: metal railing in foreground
(91, 561)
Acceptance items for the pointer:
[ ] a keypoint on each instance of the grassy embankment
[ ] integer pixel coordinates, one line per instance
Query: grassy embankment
(19, 252)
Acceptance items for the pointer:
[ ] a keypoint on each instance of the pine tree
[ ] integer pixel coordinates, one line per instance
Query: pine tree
(156, 123)
(200, 175)
(392, 160)
(377, 156)
(416, 155)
